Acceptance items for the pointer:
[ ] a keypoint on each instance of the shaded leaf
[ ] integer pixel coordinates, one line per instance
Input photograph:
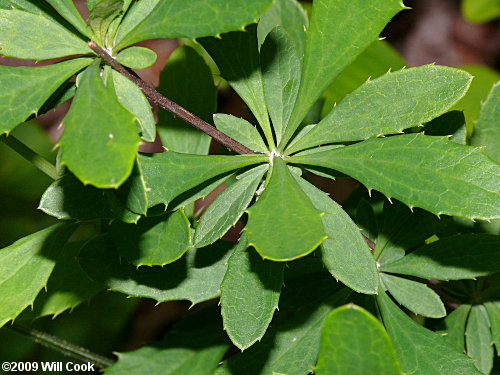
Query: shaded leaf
(291, 16)
(281, 77)
(29, 262)
(99, 142)
(227, 208)
(454, 327)
(25, 89)
(168, 19)
(68, 198)
(419, 350)
(249, 295)
(480, 10)
(339, 31)
(195, 345)
(278, 210)
(493, 309)
(67, 287)
(437, 181)
(101, 15)
(132, 98)
(196, 277)
(415, 296)
(355, 342)
(186, 73)
(169, 174)
(68, 10)
(478, 339)
(133, 192)
(345, 252)
(465, 256)
(390, 104)
(451, 124)
(153, 241)
(240, 130)
(486, 130)
(137, 57)
(237, 57)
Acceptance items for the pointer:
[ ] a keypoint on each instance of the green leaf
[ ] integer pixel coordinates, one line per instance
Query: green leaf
(68, 10)
(196, 277)
(354, 342)
(402, 229)
(133, 192)
(25, 89)
(291, 16)
(168, 19)
(237, 57)
(68, 198)
(417, 297)
(480, 10)
(493, 309)
(437, 181)
(451, 124)
(186, 73)
(67, 287)
(249, 295)
(101, 15)
(478, 339)
(375, 61)
(99, 142)
(240, 130)
(281, 208)
(465, 256)
(227, 208)
(153, 241)
(281, 76)
(486, 130)
(25, 267)
(339, 31)
(137, 57)
(390, 104)
(185, 172)
(291, 344)
(484, 79)
(419, 350)
(131, 97)
(454, 327)
(194, 346)
(345, 252)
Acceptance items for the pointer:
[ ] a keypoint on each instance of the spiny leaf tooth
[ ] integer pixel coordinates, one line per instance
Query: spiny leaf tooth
(381, 38)
(390, 200)
(218, 36)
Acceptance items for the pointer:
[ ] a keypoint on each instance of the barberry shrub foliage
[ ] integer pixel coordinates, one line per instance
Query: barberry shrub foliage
(311, 287)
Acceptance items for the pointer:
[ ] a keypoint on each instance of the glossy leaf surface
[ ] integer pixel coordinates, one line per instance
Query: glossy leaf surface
(282, 205)
(68, 10)
(99, 142)
(25, 89)
(338, 32)
(444, 173)
(227, 208)
(168, 19)
(478, 339)
(390, 104)
(196, 277)
(29, 262)
(457, 257)
(249, 295)
(240, 130)
(345, 252)
(354, 342)
(137, 57)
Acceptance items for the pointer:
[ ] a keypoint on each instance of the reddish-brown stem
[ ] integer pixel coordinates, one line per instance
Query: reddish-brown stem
(171, 106)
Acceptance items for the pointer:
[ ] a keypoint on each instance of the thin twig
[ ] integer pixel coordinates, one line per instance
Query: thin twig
(37, 160)
(171, 106)
(61, 346)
